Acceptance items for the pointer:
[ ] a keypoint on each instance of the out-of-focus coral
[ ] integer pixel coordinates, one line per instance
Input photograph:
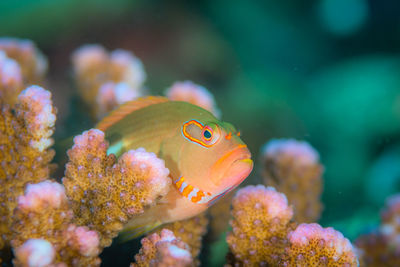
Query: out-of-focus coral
(382, 247)
(312, 245)
(106, 80)
(25, 138)
(164, 250)
(220, 214)
(11, 82)
(43, 213)
(106, 193)
(34, 253)
(264, 235)
(190, 231)
(193, 93)
(293, 168)
(261, 222)
(33, 63)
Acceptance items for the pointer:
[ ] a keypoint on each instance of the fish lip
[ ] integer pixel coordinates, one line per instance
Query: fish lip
(228, 162)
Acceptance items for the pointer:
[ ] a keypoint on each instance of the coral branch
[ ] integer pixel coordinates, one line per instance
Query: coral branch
(190, 231)
(261, 222)
(106, 80)
(263, 234)
(382, 247)
(25, 132)
(11, 82)
(195, 94)
(312, 245)
(104, 193)
(32, 62)
(43, 213)
(34, 253)
(293, 168)
(163, 250)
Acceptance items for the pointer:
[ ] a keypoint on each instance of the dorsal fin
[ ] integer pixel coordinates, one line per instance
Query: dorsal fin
(120, 112)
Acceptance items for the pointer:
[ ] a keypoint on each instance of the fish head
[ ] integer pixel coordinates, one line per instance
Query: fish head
(213, 158)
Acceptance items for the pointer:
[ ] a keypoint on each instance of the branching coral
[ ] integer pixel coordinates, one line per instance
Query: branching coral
(33, 63)
(263, 234)
(163, 250)
(106, 193)
(190, 231)
(34, 253)
(382, 247)
(261, 222)
(106, 80)
(312, 245)
(195, 94)
(25, 138)
(11, 82)
(293, 168)
(43, 214)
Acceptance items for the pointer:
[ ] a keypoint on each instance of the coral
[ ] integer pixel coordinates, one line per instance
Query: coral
(163, 250)
(195, 94)
(312, 245)
(34, 253)
(11, 82)
(106, 193)
(190, 231)
(261, 222)
(382, 247)
(263, 234)
(33, 63)
(43, 214)
(293, 168)
(106, 80)
(25, 138)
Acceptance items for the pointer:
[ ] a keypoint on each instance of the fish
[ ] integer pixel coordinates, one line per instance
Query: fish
(205, 156)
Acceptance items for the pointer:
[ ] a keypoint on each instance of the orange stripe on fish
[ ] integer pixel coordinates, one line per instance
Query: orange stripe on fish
(188, 189)
(192, 193)
(198, 197)
(191, 138)
(178, 183)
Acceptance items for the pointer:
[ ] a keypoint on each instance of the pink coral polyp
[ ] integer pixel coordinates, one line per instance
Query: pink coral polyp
(276, 203)
(48, 192)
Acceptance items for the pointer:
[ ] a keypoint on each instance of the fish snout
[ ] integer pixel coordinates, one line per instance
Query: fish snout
(233, 167)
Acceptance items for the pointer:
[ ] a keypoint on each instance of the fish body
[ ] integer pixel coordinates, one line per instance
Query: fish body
(205, 156)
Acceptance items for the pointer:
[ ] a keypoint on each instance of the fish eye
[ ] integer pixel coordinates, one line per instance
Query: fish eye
(210, 134)
(207, 134)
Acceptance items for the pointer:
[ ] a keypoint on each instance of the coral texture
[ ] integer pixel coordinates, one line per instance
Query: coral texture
(43, 214)
(382, 247)
(264, 235)
(25, 138)
(195, 94)
(106, 193)
(312, 245)
(293, 168)
(31, 60)
(190, 231)
(163, 250)
(261, 222)
(106, 80)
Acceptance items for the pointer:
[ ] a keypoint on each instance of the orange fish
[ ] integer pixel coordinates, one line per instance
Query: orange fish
(205, 156)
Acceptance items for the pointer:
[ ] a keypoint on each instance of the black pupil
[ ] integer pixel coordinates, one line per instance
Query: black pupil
(207, 134)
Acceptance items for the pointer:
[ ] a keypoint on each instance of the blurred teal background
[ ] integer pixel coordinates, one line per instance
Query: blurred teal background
(327, 71)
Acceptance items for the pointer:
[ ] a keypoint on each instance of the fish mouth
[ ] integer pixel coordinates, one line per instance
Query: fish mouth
(233, 167)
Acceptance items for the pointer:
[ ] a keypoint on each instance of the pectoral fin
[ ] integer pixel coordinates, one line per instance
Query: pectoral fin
(134, 231)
